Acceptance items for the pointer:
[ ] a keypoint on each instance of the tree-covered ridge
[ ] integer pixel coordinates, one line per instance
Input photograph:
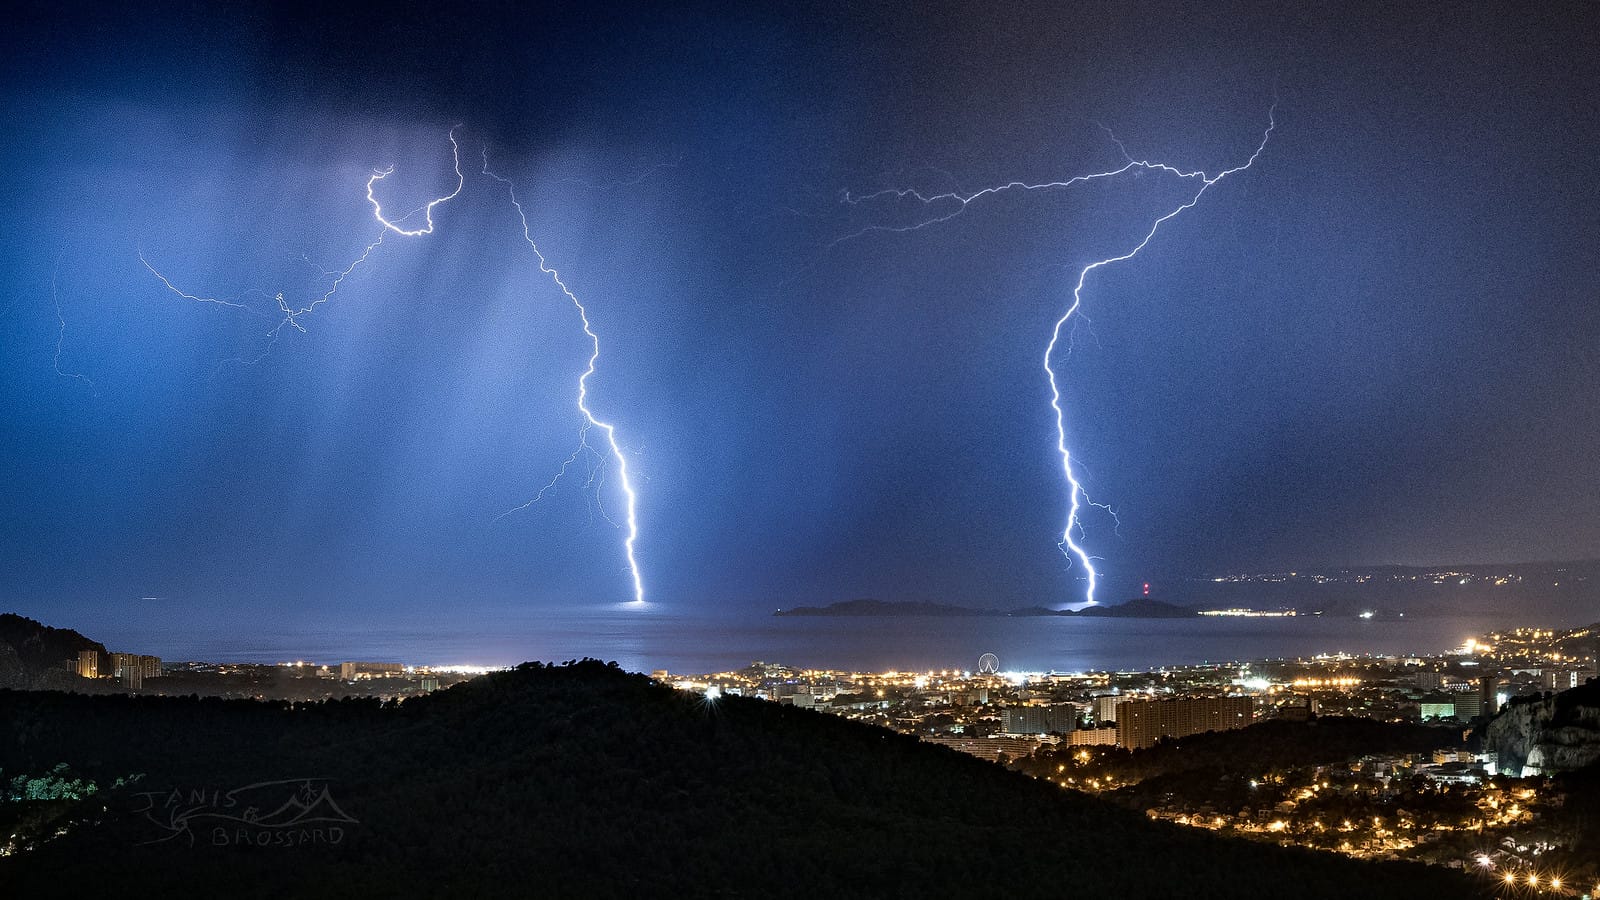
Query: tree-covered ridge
(32, 654)
(582, 780)
(1273, 744)
(41, 646)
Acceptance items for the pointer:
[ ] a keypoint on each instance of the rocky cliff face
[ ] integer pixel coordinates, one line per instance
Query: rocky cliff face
(1559, 733)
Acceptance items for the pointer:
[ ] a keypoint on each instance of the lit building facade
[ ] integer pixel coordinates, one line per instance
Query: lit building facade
(1093, 737)
(350, 671)
(1140, 723)
(133, 668)
(1060, 718)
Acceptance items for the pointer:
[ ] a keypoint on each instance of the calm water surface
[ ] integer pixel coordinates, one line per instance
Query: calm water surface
(663, 638)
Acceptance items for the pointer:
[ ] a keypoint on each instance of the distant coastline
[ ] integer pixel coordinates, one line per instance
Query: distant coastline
(1139, 608)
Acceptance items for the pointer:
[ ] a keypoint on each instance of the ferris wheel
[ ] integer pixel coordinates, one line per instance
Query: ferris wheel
(988, 664)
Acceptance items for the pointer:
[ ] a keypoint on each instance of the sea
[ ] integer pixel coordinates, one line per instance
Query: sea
(655, 637)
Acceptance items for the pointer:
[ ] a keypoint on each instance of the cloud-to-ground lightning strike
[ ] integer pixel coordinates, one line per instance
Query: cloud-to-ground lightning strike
(590, 420)
(288, 315)
(1073, 532)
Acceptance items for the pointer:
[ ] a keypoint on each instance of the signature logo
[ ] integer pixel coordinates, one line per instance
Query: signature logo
(290, 812)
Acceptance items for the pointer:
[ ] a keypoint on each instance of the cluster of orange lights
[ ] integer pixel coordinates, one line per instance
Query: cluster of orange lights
(1531, 879)
(1340, 682)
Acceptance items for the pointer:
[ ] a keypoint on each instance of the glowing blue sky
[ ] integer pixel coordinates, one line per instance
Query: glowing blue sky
(1378, 345)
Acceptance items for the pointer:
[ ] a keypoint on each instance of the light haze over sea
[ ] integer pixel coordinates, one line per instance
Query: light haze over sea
(685, 642)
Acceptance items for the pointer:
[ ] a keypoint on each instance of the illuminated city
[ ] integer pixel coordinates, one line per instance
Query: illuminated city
(1451, 804)
(1445, 797)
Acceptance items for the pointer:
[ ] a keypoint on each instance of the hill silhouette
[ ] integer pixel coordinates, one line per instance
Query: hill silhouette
(585, 781)
(32, 653)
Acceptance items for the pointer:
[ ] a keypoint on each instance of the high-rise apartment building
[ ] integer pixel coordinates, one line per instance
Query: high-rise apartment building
(350, 671)
(1058, 719)
(124, 664)
(1140, 723)
(1469, 706)
(1561, 679)
(1488, 691)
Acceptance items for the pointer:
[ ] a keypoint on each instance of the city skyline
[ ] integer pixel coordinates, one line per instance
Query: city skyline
(1375, 346)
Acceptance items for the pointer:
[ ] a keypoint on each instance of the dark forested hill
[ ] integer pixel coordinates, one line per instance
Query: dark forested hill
(579, 781)
(32, 654)
(1273, 744)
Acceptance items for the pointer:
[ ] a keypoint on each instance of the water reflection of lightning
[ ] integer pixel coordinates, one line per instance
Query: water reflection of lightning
(1073, 532)
(590, 420)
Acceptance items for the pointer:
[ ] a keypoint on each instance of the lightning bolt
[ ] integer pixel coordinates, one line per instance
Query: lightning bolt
(220, 301)
(427, 210)
(61, 328)
(591, 421)
(1072, 533)
(583, 448)
(962, 201)
(290, 315)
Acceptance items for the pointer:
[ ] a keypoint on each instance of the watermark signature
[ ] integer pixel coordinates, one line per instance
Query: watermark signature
(290, 812)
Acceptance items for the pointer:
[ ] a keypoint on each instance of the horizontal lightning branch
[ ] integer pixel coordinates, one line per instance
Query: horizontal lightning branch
(290, 315)
(1072, 533)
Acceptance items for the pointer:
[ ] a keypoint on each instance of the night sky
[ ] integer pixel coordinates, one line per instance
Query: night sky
(1377, 345)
